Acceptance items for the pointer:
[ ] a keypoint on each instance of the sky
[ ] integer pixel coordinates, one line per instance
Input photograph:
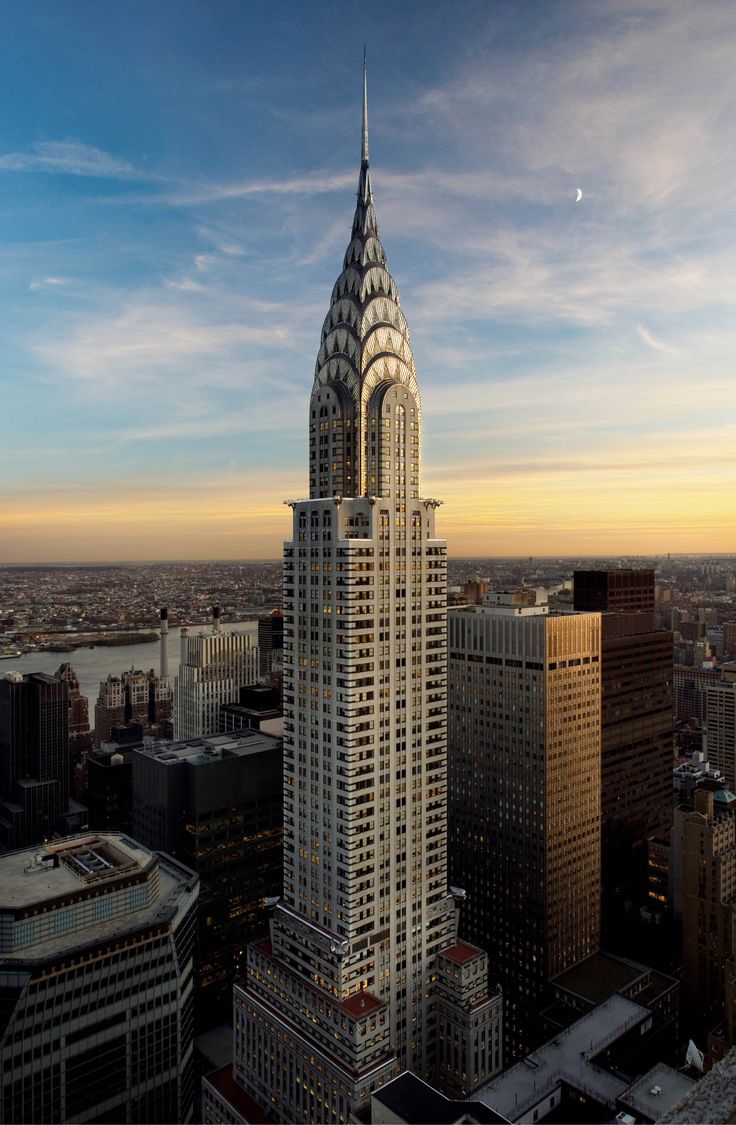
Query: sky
(176, 191)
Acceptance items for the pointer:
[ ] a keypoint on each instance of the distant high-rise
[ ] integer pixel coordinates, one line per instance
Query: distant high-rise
(524, 793)
(213, 668)
(689, 684)
(96, 948)
(80, 735)
(134, 696)
(345, 991)
(34, 757)
(270, 641)
(719, 724)
(614, 591)
(636, 749)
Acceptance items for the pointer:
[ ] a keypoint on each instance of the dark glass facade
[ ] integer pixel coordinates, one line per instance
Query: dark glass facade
(216, 805)
(614, 591)
(34, 758)
(637, 724)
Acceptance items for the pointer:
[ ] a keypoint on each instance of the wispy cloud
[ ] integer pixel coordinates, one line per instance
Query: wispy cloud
(71, 158)
(49, 283)
(203, 192)
(650, 339)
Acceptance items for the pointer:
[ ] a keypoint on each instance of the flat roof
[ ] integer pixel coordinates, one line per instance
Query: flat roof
(212, 748)
(26, 880)
(713, 1098)
(361, 1004)
(461, 953)
(672, 1087)
(412, 1099)
(598, 976)
(567, 1057)
(47, 883)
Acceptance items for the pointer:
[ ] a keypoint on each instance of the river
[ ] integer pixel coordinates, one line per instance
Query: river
(96, 662)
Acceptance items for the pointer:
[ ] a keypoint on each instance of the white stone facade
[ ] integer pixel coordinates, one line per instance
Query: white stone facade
(344, 993)
(214, 666)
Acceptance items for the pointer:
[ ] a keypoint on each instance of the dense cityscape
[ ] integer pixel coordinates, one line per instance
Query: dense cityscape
(38, 604)
(374, 831)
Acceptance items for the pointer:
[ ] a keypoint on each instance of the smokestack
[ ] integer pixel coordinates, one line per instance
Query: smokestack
(184, 639)
(164, 671)
(215, 619)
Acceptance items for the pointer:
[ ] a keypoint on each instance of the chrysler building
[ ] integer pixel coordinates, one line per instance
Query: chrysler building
(362, 976)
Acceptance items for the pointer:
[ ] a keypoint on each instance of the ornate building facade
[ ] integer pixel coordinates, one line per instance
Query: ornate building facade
(362, 976)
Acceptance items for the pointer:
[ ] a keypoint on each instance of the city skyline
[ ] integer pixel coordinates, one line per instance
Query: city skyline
(575, 355)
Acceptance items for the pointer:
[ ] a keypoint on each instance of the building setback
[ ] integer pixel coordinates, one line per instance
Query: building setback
(637, 721)
(216, 805)
(96, 941)
(524, 794)
(345, 990)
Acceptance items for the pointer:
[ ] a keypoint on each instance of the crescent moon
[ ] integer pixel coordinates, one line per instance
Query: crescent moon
(579, 195)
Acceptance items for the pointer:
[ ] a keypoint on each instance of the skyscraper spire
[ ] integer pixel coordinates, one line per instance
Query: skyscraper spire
(364, 149)
(354, 983)
(365, 341)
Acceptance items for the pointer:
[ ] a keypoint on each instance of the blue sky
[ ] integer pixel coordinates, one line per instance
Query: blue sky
(177, 190)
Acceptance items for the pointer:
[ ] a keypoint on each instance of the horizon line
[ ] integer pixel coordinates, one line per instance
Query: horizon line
(279, 559)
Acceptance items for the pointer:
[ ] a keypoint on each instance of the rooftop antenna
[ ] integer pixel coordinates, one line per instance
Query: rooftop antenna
(364, 148)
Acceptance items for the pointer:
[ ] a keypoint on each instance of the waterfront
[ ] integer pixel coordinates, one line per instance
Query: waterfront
(93, 663)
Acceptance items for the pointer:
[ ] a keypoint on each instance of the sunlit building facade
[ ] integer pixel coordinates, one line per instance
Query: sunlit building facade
(524, 754)
(347, 989)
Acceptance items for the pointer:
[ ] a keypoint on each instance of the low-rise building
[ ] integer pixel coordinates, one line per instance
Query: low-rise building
(592, 1070)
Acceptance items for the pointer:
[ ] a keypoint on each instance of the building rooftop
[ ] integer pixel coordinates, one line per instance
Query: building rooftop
(657, 1091)
(712, 1099)
(362, 1004)
(462, 953)
(203, 751)
(62, 867)
(216, 1046)
(599, 976)
(31, 885)
(569, 1058)
(410, 1099)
